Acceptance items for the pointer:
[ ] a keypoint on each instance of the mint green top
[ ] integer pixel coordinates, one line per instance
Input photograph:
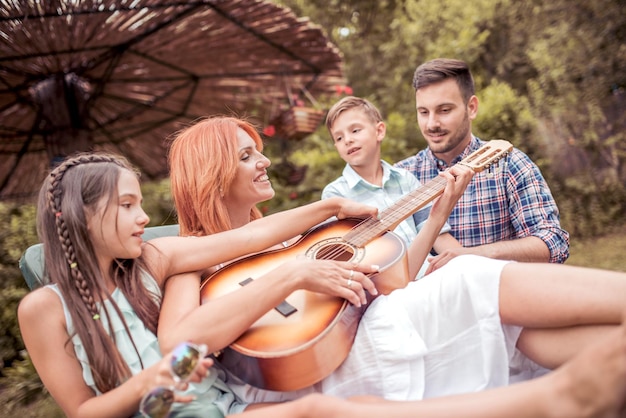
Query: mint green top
(214, 399)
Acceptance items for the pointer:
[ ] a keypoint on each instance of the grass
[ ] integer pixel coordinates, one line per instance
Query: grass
(601, 252)
(44, 406)
(606, 252)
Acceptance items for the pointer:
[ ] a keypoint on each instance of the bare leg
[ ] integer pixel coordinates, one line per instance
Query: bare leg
(542, 295)
(553, 347)
(592, 385)
(559, 299)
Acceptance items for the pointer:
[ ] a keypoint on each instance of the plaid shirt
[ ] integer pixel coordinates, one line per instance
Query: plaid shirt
(509, 201)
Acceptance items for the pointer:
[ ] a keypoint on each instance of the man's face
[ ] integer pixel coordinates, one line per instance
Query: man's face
(444, 119)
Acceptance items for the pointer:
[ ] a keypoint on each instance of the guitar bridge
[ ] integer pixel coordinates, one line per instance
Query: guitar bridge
(284, 308)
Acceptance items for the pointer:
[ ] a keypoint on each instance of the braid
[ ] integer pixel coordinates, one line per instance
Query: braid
(71, 196)
(54, 197)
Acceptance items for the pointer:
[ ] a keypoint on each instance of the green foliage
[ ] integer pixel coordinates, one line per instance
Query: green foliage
(316, 153)
(10, 338)
(158, 202)
(17, 232)
(402, 138)
(588, 207)
(24, 394)
(20, 382)
(504, 114)
(550, 78)
(605, 252)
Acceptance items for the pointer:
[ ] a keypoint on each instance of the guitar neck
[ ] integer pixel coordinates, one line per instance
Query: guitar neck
(391, 217)
(404, 207)
(487, 155)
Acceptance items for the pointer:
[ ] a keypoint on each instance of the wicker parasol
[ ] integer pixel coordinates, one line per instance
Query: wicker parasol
(124, 75)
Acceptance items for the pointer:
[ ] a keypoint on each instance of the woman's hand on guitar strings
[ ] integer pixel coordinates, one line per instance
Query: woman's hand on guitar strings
(336, 278)
(358, 282)
(350, 278)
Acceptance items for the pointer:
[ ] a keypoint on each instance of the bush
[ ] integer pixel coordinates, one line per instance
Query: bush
(23, 393)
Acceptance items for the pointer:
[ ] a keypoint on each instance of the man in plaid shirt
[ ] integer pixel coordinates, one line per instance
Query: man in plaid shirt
(507, 212)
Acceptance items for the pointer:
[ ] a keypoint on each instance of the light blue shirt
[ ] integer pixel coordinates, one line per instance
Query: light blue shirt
(396, 183)
(214, 399)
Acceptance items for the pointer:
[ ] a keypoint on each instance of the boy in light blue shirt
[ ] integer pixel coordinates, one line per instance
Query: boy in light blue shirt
(357, 130)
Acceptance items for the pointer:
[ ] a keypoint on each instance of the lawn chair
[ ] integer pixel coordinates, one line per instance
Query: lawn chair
(32, 261)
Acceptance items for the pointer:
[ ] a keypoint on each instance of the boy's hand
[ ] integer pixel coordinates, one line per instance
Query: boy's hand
(462, 175)
(458, 177)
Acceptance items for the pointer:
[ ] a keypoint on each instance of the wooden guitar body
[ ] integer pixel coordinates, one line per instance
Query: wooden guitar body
(295, 349)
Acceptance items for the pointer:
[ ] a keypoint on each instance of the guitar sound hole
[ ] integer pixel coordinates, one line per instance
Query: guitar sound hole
(337, 252)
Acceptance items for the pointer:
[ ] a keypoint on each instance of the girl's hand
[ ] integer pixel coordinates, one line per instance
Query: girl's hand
(201, 373)
(163, 376)
(158, 400)
(349, 208)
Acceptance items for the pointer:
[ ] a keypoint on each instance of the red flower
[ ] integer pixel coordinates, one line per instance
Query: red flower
(293, 195)
(343, 89)
(269, 130)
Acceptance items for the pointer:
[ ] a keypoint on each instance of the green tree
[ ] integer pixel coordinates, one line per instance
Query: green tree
(550, 77)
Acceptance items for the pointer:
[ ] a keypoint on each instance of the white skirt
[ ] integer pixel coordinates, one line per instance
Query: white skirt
(440, 335)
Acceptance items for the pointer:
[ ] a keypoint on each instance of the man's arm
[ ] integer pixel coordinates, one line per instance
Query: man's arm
(534, 214)
(529, 249)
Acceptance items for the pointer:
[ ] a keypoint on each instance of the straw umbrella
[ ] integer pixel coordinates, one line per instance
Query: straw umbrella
(122, 76)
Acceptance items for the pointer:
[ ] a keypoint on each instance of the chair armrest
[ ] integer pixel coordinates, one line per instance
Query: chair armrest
(32, 261)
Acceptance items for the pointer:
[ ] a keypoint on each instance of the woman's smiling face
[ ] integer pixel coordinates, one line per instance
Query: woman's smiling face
(251, 184)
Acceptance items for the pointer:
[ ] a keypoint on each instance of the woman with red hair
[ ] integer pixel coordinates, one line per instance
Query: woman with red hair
(454, 331)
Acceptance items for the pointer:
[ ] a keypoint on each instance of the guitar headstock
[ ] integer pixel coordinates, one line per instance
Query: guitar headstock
(487, 155)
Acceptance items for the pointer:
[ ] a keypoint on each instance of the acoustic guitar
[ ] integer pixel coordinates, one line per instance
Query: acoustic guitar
(309, 335)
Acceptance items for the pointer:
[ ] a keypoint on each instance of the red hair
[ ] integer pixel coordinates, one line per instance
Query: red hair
(203, 160)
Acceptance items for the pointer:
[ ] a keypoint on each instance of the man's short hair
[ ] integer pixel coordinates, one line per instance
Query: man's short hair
(440, 69)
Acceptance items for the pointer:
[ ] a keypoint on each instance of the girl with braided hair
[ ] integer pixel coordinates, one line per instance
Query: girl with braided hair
(91, 332)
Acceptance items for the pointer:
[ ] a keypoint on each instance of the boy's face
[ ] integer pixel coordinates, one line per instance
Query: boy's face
(357, 138)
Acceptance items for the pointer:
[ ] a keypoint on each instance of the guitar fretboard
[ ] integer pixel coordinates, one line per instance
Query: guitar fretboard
(484, 157)
(394, 214)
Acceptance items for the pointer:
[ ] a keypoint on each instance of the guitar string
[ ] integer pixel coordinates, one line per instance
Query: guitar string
(368, 229)
(394, 213)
